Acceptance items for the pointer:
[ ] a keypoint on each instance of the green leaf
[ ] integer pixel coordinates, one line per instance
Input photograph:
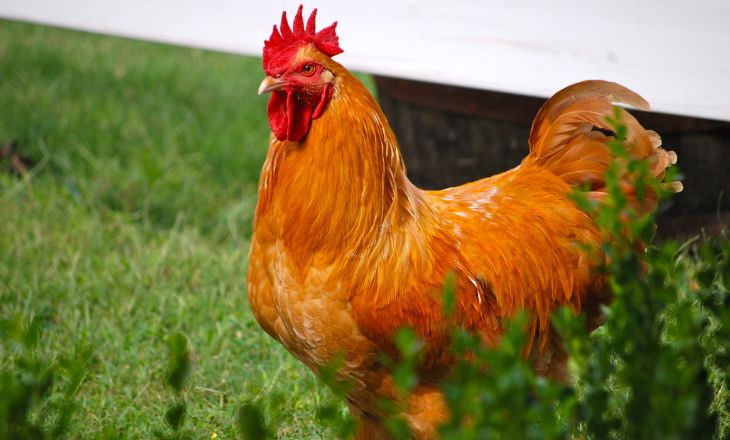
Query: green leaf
(175, 415)
(250, 422)
(178, 361)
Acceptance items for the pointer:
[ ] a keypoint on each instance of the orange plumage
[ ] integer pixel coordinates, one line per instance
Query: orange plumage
(346, 249)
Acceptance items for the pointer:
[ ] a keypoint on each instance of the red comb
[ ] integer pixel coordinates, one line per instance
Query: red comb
(287, 41)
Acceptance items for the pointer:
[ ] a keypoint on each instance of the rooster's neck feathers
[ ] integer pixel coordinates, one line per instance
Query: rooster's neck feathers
(344, 186)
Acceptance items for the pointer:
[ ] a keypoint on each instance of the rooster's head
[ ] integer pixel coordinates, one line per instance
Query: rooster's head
(295, 61)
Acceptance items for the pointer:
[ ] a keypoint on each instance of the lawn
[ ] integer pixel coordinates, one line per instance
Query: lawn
(134, 222)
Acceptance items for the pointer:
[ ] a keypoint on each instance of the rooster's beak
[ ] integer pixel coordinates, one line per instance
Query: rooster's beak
(270, 84)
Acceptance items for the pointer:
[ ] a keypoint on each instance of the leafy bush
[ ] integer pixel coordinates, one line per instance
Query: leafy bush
(657, 368)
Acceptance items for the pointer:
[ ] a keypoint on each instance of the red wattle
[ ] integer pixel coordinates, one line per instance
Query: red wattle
(323, 100)
(290, 115)
(277, 115)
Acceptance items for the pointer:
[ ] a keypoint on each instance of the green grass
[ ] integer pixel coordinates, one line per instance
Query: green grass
(134, 223)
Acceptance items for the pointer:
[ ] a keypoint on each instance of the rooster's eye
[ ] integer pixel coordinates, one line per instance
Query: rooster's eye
(308, 69)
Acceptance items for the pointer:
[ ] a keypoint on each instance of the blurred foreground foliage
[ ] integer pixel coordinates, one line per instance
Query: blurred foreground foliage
(37, 395)
(657, 368)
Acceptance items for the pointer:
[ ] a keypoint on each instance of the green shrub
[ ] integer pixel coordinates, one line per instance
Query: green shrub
(657, 368)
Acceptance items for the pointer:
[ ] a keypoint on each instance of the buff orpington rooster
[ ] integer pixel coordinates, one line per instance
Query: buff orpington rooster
(346, 250)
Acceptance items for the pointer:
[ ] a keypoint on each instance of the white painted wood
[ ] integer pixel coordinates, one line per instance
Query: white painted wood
(676, 53)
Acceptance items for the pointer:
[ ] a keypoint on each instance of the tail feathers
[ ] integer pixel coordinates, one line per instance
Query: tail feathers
(563, 138)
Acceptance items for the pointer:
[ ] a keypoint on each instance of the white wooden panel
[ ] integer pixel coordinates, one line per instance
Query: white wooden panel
(676, 53)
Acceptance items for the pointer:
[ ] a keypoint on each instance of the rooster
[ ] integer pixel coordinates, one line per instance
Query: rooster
(346, 250)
